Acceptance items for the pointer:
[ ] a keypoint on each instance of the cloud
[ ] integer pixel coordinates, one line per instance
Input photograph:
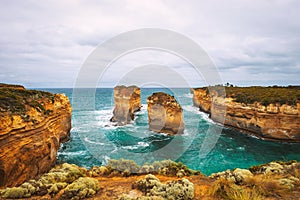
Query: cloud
(44, 43)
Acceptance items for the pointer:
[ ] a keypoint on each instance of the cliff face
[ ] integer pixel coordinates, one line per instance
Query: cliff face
(274, 121)
(164, 114)
(127, 101)
(32, 126)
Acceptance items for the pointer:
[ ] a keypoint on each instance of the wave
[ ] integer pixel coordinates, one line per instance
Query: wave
(143, 110)
(133, 147)
(189, 95)
(79, 129)
(92, 142)
(70, 153)
(191, 109)
(205, 116)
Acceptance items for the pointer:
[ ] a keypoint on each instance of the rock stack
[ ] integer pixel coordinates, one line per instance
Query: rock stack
(164, 114)
(127, 101)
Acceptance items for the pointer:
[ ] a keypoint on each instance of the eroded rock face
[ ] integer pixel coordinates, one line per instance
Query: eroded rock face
(274, 122)
(127, 101)
(32, 126)
(164, 114)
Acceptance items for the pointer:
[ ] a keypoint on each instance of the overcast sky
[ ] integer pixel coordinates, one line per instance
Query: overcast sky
(254, 42)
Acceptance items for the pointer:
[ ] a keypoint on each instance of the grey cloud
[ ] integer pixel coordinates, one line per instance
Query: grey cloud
(46, 42)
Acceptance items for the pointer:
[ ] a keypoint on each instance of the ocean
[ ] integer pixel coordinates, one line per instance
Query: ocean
(204, 146)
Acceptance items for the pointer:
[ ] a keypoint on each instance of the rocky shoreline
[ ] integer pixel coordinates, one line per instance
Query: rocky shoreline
(274, 121)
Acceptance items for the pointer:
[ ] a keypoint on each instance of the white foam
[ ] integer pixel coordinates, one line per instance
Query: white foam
(241, 148)
(189, 95)
(205, 116)
(196, 110)
(192, 109)
(143, 110)
(92, 142)
(140, 144)
(143, 144)
(74, 129)
(105, 160)
(77, 153)
(79, 129)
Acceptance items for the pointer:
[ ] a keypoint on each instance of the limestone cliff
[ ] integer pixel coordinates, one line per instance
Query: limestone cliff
(273, 121)
(32, 126)
(127, 101)
(164, 114)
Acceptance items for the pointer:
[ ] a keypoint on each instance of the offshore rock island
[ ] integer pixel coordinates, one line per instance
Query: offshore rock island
(127, 100)
(33, 124)
(164, 114)
(267, 112)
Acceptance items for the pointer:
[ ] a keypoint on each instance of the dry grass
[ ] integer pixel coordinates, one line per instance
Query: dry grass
(229, 191)
(244, 194)
(268, 186)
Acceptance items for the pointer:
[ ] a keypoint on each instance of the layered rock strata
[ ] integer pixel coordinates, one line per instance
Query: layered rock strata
(273, 121)
(127, 100)
(164, 114)
(33, 124)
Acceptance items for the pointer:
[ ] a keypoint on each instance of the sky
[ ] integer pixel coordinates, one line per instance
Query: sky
(45, 43)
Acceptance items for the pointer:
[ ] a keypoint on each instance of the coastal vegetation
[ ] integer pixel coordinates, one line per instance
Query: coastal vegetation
(275, 180)
(126, 168)
(265, 95)
(14, 99)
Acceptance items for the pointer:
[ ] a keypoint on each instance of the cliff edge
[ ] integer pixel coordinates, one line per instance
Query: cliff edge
(32, 126)
(266, 112)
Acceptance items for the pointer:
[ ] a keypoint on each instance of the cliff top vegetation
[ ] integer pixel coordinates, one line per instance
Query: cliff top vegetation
(265, 95)
(15, 99)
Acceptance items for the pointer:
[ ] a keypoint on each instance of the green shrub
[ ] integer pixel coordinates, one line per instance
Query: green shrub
(16, 101)
(82, 188)
(172, 190)
(129, 167)
(263, 95)
(50, 183)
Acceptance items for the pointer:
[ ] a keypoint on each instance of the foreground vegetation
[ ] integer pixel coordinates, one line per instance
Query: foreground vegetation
(124, 179)
(264, 95)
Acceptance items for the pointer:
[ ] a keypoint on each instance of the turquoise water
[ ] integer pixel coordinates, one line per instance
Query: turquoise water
(94, 140)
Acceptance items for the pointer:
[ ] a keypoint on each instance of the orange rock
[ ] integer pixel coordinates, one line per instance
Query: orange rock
(274, 122)
(29, 144)
(164, 114)
(127, 101)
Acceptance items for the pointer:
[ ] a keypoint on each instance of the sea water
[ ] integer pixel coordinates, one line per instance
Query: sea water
(204, 146)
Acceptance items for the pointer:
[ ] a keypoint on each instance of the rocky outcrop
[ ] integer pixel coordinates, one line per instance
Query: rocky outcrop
(127, 101)
(164, 114)
(273, 121)
(32, 126)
